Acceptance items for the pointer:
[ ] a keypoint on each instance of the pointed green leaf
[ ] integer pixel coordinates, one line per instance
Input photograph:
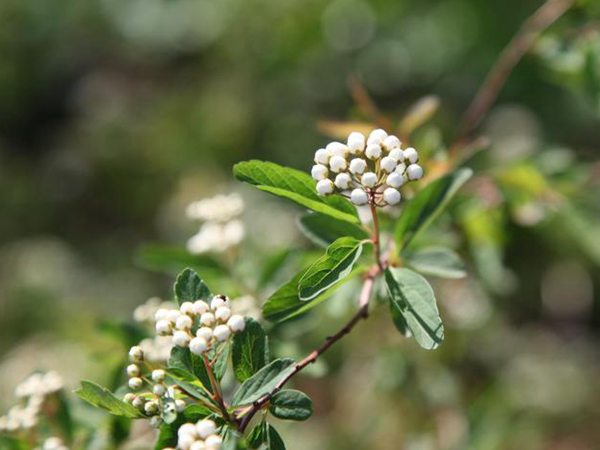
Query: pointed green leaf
(189, 384)
(421, 210)
(331, 268)
(289, 404)
(250, 350)
(220, 365)
(263, 381)
(103, 398)
(265, 437)
(294, 185)
(190, 287)
(414, 307)
(323, 230)
(437, 261)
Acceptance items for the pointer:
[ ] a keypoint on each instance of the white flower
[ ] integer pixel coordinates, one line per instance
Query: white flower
(356, 142)
(338, 164)
(220, 208)
(221, 332)
(411, 155)
(342, 181)
(388, 164)
(187, 429)
(325, 187)
(198, 345)
(414, 172)
(159, 390)
(391, 142)
(391, 196)
(222, 313)
(205, 332)
(376, 137)
(158, 375)
(337, 149)
(207, 319)
(236, 323)
(136, 354)
(369, 179)
(397, 154)
(319, 172)
(322, 156)
(135, 383)
(133, 370)
(373, 151)
(129, 398)
(185, 441)
(395, 180)
(358, 166)
(358, 197)
(200, 307)
(217, 301)
(151, 407)
(181, 339)
(213, 442)
(184, 322)
(187, 308)
(400, 168)
(205, 428)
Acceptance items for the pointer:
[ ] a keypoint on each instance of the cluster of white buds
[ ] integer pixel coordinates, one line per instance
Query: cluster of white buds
(199, 325)
(32, 393)
(199, 436)
(150, 388)
(222, 229)
(53, 443)
(366, 170)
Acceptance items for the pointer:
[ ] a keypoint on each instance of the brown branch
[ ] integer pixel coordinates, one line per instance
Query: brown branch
(216, 395)
(518, 46)
(361, 313)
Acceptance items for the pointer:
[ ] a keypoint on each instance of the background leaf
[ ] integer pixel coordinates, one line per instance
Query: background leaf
(103, 398)
(249, 350)
(190, 287)
(290, 404)
(323, 230)
(175, 259)
(263, 381)
(438, 261)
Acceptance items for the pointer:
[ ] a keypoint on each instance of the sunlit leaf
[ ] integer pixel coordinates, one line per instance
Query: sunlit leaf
(263, 381)
(103, 398)
(250, 350)
(323, 230)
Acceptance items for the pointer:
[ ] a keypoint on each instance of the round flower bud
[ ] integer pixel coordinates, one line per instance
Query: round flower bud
(391, 142)
(358, 197)
(414, 172)
(136, 354)
(223, 313)
(322, 156)
(338, 163)
(356, 142)
(337, 149)
(156, 422)
(207, 319)
(205, 428)
(222, 332)
(135, 383)
(358, 166)
(369, 179)
(161, 314)
(181, 339)
(133, 370)
(158, 375)
(159, 390)
(217, 301)
(187, 308)
(411, 155)
(204, 332)
(373, 151)
(173, 315)
(184, 322)
(151, 407)
(388, 164)
(129, 398)
(198, 445)
(236, 323)
(179, 405)
(395, 180)
(200, 307)
(163, 327)
(198, 345)
(185, 441)
(213, 442)
(400, 168)
(391, 196)
(397, 154)
(325, 187)
(138, 402)
(187, 429)
(319, 172)
(376, 137)
(343, 180)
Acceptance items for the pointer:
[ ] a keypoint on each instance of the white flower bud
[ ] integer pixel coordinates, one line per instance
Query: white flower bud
(337, 149)
(200, 307)
(151, 407)
(217, 301)
(205, 428)
(185, 441)
(338, 163)
(181, 339)
(198, 345)
(222, 332)
(319, 172)
(205, 332)
(198, 445)
(391, 196)
(223, 313)
(343, 180)
(358, 197)
(136, 354)
(135, 383)
(369, 179)
(133, 370)
(395, 180)
(356, 142)
(358, 166)
(400, 168)
(187, 308)
(184, 322)
(159, 390)
(161, 314)
(325, 187)
(213, 442)
(173, 315)
(129, 398)
(391, 142)
(414, 172)
(373, 151)
(163, 327)
(138, 402)
(322, 156)
(411, 155)
(179, 405)
(158, 375)
(388, 164)
(397, 154)
(207, 319)
(187, 429)
(236, 323)
(376, 137)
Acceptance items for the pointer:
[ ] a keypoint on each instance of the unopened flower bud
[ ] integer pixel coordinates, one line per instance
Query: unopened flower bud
(129, 398)
(200, 307)
(337, 149)
(373, 151)
(319, 172)
(236, 323)
(135, 383)
(414, 172)
(179, 405)
(358, 197)
(218, 301)
(342, 181)
(187, 308)
(163, 327)
(151, 407)
(133, 370)
(158, 375)
(181, 339)
(213, 442)
(391, 142)
(338, 164)
(159, 390)
(397, 154)
(207, 319)
(204, 332)
(184, 322)
(205, 428)
(322, 156)
(411, 155)
(198, 346)
(325, 187)
(369, 179)
(221, 332)
(358, 166)
(391, 196)
(356, 142)
(388, 164)
(376, 137)
(136, 354)
(395, 180)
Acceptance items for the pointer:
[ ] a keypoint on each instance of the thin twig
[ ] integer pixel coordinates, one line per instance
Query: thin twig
(217, 396)
(366, 103)
(375, 237)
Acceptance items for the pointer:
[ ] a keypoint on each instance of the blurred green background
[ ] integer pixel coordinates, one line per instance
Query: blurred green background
(114, 115)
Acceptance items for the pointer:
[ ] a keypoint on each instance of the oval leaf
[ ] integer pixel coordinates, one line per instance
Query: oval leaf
(414, 307)
(323, 230)
(190, 287)
(289, 404)
(437, 261)
(263, 381)
(103, 398)
(250, 350)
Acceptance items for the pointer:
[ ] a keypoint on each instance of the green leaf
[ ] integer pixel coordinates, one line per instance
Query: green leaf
(263, 381)
(331, 268)
(413, 306)
(220, 365)
(250, 350)
(103, 398)
(168, 432)
(64, 417)
(421, 210)
(323, 230)
(189, 287)
(265, 437)
(437, 261)
(174, 259)
(272, 266)
(289, 404)
(275, 440)
(183, 359)
(294, 185)
(189, 384)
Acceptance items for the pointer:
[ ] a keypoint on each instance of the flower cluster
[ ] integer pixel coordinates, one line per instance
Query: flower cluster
(199, 436)
(366, 169)
(199, 325)
(222, 229)
(53, 443)
(32, 394)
